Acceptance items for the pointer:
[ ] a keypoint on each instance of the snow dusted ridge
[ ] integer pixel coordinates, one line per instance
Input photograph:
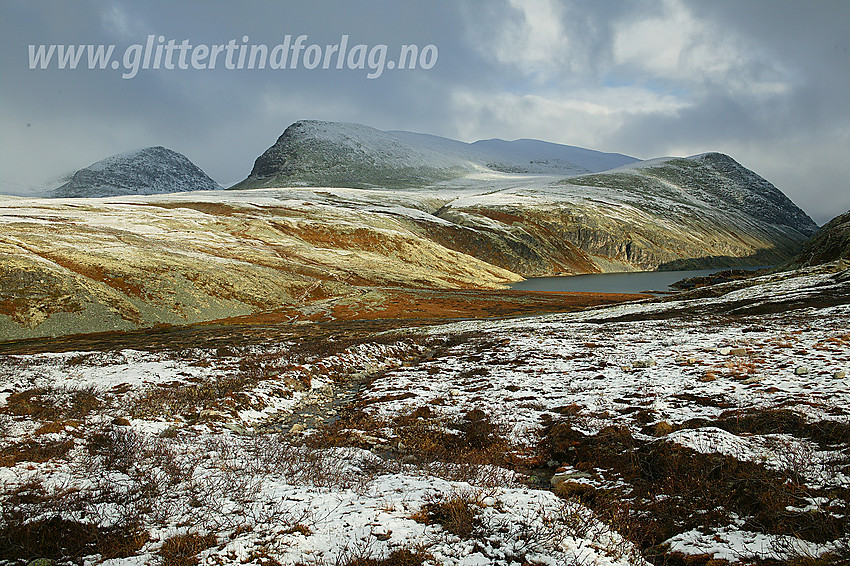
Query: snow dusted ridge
(177, 443)
(337, 154)
(437, 214)
(561, 209)
(714, 179)
(119, 263)
(147, 171)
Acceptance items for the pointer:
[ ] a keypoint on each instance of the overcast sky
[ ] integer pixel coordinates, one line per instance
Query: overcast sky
(764, 81)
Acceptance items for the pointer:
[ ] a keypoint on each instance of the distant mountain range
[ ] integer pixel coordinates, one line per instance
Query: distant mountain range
(332, 154)
(334, 216)
(538, 208)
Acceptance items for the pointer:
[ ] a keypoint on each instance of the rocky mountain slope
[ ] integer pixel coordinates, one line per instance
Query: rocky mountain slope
(332, 154)
(831, 243)
(540, 209)
(84, 265)
(147, 171)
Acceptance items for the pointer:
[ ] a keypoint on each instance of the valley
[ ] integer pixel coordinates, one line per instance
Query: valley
(326, 364)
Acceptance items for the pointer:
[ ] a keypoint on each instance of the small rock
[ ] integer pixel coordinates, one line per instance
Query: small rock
(240, 430)
(121, 421)
(725, 351)
(401, 445)
(211, 414)
(170, 432)
(294, 384)
(552, 463)
(558, 479)
(840, 374)
(297, 428)
(369, 439)
(708, 377)
(644, 363)
(454, 392)
(801, 370)
(738, 352)
(754, 379)
(409, 459)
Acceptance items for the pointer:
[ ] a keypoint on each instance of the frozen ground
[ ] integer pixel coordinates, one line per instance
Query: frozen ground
(472, 443)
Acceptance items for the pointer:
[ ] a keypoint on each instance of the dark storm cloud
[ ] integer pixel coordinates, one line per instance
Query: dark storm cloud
(764, 81)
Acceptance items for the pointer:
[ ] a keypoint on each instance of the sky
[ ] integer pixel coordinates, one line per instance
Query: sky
(765, 81)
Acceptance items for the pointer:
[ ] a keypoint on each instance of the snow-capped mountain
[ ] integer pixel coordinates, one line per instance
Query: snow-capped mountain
(409, 212)
(313, 153)
(670, 213)
(152, 170)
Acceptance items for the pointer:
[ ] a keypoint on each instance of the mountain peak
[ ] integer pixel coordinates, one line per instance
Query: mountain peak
(150, 170)
(340, 154)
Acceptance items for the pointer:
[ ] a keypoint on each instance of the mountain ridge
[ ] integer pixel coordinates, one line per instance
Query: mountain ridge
(325, 253)
(317, 153)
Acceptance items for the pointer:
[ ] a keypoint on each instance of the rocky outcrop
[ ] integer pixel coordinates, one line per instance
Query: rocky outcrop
(152, 170)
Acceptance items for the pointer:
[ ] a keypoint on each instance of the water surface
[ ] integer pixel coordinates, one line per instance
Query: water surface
(630, 282)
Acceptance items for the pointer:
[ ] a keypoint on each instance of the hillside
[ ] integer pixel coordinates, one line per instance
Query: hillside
(831, 243)
(147, 171)
(324, 253)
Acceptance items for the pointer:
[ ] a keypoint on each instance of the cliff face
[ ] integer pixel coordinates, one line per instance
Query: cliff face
(147, 171)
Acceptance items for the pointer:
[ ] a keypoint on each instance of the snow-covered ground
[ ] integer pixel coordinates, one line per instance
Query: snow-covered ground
(207, 440)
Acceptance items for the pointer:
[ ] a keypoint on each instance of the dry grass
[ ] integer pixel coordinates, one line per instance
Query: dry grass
(673, 489)
(454, 448)
(35, 451)
(398, 557)
(182, 550)
(52, 535)
(52, 404)
(456, 513)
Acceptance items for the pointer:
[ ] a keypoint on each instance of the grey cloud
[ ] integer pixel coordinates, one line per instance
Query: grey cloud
(54, 121)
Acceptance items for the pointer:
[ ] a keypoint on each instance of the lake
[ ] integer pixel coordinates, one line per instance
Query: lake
(628, 282)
